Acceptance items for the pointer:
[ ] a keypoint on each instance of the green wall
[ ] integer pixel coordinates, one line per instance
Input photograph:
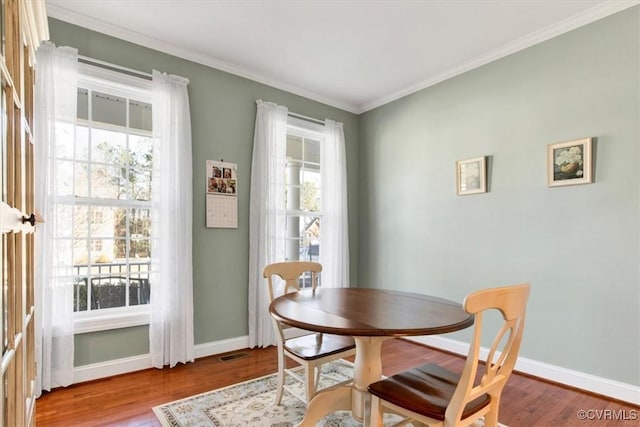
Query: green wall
(578, 245)
(222, 123)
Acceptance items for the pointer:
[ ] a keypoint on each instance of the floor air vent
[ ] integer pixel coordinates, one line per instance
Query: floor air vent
(233, 356)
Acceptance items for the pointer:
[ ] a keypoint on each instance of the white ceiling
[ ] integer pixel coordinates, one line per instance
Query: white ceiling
(355, 55)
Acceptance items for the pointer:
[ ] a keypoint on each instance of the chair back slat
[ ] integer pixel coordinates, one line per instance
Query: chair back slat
(511, 302)
(500, 349)
(290, 272)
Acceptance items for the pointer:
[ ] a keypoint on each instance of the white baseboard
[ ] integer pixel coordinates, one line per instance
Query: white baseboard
(217, 347)
(603, 386)
(110, 368)
(126, 365)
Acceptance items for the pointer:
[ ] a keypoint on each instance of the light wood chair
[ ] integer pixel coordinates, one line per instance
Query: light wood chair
(310, 350)
(433, 396)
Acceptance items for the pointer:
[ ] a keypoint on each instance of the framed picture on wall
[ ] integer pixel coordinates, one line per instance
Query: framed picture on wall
(471, 176)
(569, 162)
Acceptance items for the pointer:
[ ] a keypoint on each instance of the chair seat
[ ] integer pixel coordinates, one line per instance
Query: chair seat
(426, 390)
(308, 347)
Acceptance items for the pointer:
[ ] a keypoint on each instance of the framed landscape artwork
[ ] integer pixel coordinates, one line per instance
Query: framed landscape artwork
(569, 163)
(471, 176)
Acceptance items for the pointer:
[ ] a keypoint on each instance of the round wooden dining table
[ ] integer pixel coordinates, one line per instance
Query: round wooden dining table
(370, 316)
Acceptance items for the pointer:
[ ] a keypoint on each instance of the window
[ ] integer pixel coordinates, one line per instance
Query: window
(303, 192)
(104, 196)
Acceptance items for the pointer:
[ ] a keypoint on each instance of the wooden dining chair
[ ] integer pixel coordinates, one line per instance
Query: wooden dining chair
(309, 349)
(433, 396)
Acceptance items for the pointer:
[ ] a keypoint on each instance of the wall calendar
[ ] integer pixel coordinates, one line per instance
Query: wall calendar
(222, 194)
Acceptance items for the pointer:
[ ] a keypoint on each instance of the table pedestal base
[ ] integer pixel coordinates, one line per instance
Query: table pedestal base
(338, 399)
(355, 397)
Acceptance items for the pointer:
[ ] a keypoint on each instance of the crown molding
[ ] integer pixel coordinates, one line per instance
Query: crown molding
(576, 21)
(71, 17)
(598, 12)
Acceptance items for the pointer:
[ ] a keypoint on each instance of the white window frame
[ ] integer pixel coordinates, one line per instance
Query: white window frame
(127, 86)
(306, 130)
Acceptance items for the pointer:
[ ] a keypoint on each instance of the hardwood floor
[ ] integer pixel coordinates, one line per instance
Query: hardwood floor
(126, 400)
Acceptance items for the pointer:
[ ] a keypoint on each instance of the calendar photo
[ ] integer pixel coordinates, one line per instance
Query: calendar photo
(221, 178)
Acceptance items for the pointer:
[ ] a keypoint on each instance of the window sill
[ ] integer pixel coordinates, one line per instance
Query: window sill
(110, 319)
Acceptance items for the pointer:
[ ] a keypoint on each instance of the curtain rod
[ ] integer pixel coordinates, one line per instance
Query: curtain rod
(307, 118)
(114, 67)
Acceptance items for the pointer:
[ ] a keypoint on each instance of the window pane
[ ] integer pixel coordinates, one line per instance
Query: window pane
(108, 222)
(310, 238)
(83, 103)
(140, 248)
(140, 223)
(311, 151)
(120, 247)
(62, 254)
(108, 291)
(102, 250)
(294, 163)
(140, 184)
(81, 181)
(140, 290)
(140, 232)
(293, 228)
(80, 221)
(302, 238)
(292, 250)
(80, 251)
(64, 178)
(99, 220)
(294, 147)
(80, 294)
(64, 227)
(141, 149)
(108, 182)
(64, 140)
(109, 147)
(119, 218)
(140, 115)
(310, 191)
(108, 109)
(82, 143)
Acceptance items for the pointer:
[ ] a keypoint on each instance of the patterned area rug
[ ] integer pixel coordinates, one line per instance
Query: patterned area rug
(250, 404)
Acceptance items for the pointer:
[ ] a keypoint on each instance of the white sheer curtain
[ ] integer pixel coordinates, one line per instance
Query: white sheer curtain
(55, 117)
(334, 249)
(267, 214)
(171, 326)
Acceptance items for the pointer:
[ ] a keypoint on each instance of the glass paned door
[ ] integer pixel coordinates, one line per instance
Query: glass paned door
(17, 313)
